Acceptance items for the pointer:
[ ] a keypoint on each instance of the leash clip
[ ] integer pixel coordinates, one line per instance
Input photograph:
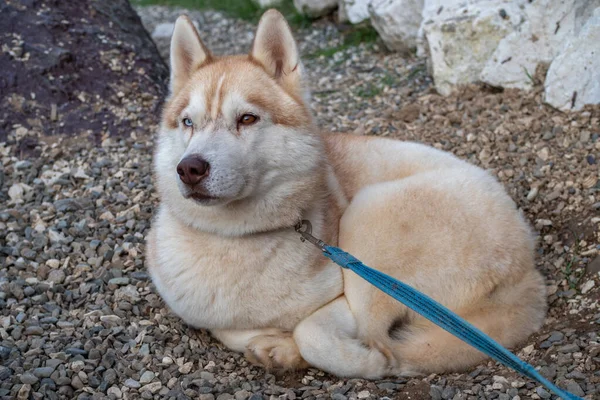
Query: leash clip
(304, 228)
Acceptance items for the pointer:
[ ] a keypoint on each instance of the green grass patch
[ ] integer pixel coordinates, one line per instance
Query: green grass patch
(374, 88)
(351, 38)
(572, 272)
(360, 34)
(389, 80)
(368, 90)
(242, 9)
(419, 69)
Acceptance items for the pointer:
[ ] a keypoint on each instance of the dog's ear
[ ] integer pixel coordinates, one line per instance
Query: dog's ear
(275, 49)
(187, 52)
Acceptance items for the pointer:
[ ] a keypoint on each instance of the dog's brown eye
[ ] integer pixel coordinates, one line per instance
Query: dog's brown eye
(247, 119)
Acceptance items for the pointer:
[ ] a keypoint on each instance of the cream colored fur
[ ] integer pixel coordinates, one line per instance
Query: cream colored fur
(235, 266)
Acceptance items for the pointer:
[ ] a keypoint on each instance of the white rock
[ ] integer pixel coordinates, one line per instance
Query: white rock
(573, 79)
(55, 236)
(529, 349)
(532, 194)
(165, 30)
(266, 3)
(49, 177)
(39, 226)
(586, 287)
(431, 11)
(77, 366)
(80, 174)
(147, 377)
(354, 11)
(462, 35)
(547, 25)
(111, 319)
(153, 387)
(544, 153)
(397, 22)
(107, 216)
(127, 293)
(115, 391)
(186, 368)
(17, 191)
(315, 8)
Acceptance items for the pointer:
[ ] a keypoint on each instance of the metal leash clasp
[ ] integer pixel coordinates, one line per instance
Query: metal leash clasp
(304, 228)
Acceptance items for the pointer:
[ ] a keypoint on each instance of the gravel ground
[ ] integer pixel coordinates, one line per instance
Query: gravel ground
(79, 317)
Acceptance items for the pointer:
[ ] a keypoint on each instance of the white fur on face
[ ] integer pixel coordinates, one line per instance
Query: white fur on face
(262, 164)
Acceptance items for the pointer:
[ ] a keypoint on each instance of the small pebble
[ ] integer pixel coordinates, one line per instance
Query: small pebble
(146, 377)
(29, 378)
(131, 383)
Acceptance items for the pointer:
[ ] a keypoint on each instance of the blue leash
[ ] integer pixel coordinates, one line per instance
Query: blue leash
(432, 310)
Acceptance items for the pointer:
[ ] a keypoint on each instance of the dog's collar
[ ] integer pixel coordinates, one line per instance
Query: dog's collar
(304, 228)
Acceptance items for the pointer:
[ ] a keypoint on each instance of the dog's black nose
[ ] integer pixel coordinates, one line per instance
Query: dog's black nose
(192, 170)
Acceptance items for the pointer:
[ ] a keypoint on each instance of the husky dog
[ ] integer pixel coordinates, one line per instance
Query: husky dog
(239, 161)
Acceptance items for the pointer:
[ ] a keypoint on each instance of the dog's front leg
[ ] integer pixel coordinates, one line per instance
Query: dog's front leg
(270, 348)
(328, 339)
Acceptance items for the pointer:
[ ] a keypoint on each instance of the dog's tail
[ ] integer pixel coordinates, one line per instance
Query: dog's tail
(509, 316)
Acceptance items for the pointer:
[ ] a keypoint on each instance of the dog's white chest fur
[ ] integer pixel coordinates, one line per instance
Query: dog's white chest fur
(220, 283)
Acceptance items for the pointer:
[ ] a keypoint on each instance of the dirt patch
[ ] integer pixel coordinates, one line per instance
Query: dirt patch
(70, 67)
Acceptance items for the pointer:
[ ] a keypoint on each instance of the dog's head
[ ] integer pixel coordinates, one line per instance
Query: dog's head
(237, 140)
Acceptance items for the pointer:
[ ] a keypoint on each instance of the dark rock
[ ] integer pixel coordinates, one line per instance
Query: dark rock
(110, 376)
(34, 330)
(4, 352)
(548, 371)
(556, 336)
(574, 388)
(448, 393)
(76, 352)
(594, 266)
(568, 348)
(435, 392)
(49, 383)
(5, 373)
(43, 372)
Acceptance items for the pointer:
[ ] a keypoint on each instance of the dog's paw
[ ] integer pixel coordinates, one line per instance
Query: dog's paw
(392, 363)
(275, 352)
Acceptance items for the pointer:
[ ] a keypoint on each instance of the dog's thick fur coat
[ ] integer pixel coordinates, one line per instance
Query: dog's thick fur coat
(224, 255)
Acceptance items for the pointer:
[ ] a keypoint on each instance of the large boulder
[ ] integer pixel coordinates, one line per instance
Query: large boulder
(397, 22)
(354, 11)
(548, 24)
(573, 79)
(462, 36)
(315, 8)
(431, 10)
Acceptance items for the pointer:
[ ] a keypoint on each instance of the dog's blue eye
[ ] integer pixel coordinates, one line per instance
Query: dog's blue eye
(188, 122)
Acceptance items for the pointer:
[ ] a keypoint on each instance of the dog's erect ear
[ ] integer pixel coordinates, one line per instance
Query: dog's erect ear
(275, 48)
(187, 52)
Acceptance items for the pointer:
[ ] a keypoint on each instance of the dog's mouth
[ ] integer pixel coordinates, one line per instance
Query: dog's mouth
(200, 197)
